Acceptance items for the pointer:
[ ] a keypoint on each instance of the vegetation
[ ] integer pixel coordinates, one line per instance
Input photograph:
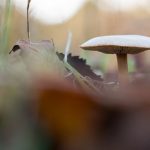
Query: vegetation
(53, 100)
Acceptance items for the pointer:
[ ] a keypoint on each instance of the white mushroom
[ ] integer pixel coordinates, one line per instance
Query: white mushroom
(121, 45)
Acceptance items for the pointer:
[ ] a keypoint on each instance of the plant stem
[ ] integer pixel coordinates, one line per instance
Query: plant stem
(28, 22)
(6, 26)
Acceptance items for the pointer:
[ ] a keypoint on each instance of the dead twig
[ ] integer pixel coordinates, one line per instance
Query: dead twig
(28, 22)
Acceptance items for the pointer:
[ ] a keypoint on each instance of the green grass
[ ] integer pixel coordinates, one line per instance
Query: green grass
(6, 27)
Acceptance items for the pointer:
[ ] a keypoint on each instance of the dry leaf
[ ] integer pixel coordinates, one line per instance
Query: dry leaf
(80, 65)
(38, 56)
(65, 112)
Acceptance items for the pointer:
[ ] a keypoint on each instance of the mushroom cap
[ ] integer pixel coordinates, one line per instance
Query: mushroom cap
(118, 44)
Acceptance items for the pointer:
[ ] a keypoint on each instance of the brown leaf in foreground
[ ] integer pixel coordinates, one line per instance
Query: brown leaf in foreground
(77, 120)
(65, 109)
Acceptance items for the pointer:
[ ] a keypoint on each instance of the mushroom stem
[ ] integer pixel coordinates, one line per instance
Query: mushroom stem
(122, 67)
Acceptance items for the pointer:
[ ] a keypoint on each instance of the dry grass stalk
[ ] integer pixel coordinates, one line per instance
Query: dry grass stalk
(28, 22)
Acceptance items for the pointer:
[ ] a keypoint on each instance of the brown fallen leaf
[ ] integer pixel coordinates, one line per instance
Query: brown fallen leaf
(77, 120)
(81, 66)
(38, 57)
(66, 113)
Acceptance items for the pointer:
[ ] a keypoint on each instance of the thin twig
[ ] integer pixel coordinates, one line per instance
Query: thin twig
(28, 22)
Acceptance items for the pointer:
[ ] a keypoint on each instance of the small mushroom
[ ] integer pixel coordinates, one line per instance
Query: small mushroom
(121, 45)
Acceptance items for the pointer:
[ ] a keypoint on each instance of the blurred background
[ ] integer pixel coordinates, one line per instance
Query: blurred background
(52, 19)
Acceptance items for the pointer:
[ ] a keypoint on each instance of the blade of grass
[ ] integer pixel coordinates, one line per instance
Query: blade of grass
(28, 21)
(68, 45)
(6, 26)
(86, 84)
